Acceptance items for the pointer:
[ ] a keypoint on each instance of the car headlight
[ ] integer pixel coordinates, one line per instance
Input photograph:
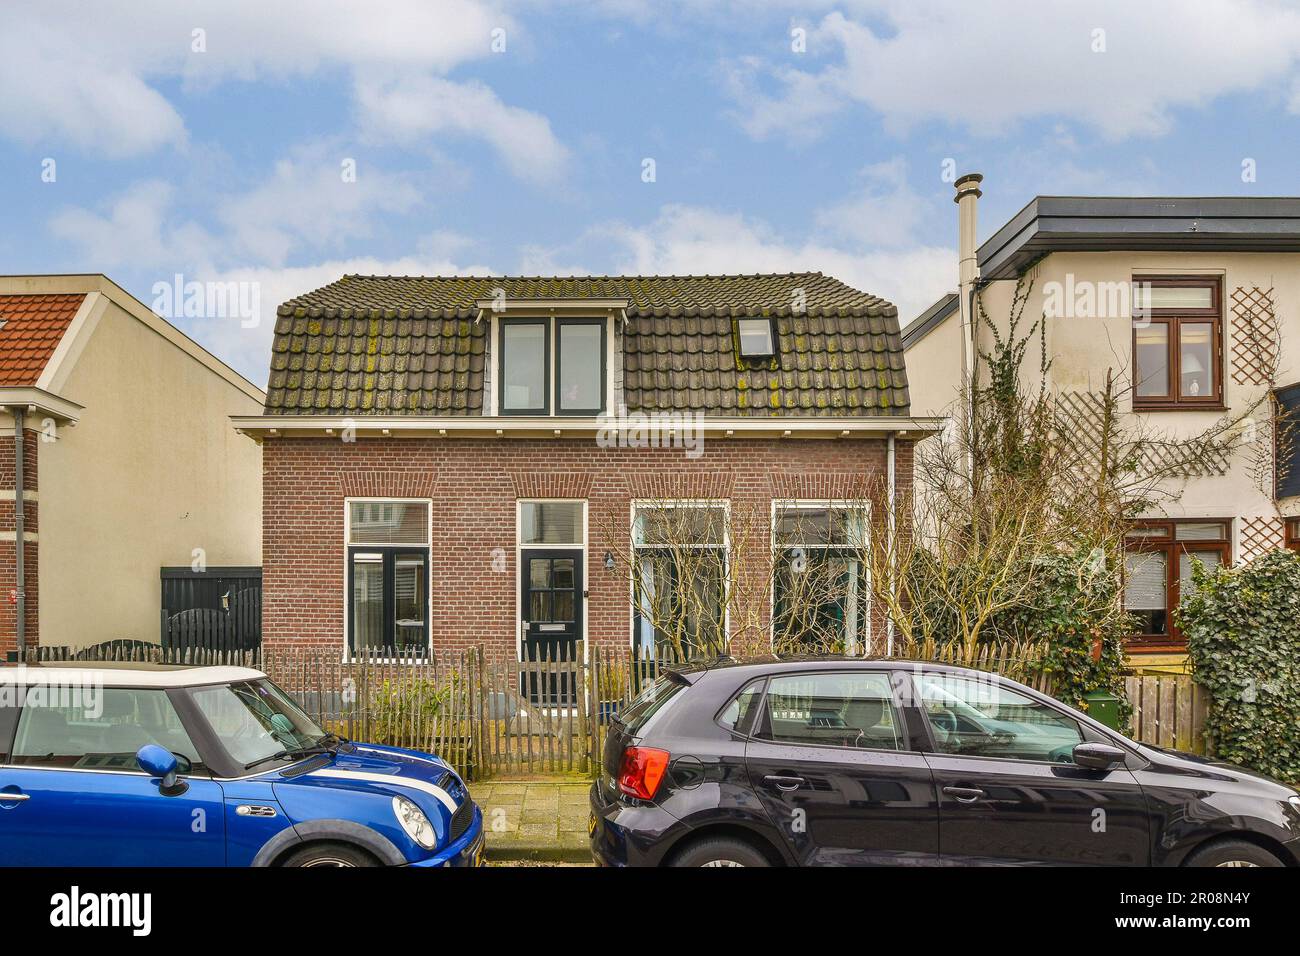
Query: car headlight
(1294, 800)
(415, 823)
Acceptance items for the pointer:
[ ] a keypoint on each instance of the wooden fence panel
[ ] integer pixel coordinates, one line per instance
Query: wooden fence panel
(1168, 711)
(549, 713)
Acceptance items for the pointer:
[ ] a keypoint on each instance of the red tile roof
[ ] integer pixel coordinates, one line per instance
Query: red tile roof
(30, 329)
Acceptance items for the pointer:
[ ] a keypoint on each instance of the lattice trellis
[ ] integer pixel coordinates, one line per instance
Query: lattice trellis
(1255, 336)
(1259, 536)
(1081, 417)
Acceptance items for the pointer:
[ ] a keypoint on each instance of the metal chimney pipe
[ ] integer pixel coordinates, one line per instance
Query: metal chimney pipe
(967, 198)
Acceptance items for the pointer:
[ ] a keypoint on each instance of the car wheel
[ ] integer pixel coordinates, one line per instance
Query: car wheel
(329, 854)
(720, 852)
(1232, 853)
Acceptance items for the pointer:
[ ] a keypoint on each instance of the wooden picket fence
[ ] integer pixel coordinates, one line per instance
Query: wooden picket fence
(551, 712)
(1168, 711)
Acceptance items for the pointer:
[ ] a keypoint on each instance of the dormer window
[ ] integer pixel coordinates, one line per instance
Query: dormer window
(757, 339)
(551, 367)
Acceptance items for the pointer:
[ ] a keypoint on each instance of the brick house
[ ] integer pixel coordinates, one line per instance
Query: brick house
(451, 462)
(128, 462)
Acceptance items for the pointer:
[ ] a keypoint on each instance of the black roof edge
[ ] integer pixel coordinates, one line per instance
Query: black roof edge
(929, 320)
(1140, 223)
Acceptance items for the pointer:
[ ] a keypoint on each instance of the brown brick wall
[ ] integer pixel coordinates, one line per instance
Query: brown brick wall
(474, 484)
(8, 563)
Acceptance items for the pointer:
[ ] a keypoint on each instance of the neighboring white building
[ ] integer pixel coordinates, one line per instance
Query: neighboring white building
(1216, 337)
(130, 463)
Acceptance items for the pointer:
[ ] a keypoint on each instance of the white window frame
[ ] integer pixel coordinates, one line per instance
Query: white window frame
(347, 543)
(520, 547)
(740, 338)
(552, 320)
(865, 629)
(660, 504)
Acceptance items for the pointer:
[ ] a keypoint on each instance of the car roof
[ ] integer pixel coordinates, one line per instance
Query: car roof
(125, 674)
(772, 664)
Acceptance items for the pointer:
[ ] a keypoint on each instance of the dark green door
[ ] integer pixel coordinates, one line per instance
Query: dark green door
(551, 604)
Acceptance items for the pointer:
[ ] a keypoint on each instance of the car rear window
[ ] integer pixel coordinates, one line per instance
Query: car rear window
(739, 713)
(650, 701)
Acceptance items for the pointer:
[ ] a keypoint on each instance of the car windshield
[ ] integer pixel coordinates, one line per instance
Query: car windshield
(256, 721)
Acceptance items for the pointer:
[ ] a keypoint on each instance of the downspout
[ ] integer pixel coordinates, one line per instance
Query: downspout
(889, 532)
(20, 592)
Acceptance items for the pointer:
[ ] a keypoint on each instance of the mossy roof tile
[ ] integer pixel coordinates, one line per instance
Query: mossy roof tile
(414, 345)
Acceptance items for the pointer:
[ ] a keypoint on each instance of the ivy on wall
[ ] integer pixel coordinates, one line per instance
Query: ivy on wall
(1243, 636)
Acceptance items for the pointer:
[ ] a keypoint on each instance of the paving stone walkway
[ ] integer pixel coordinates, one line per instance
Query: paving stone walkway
(535, 819)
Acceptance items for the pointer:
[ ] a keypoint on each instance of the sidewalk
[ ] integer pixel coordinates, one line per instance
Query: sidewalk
(543, 818)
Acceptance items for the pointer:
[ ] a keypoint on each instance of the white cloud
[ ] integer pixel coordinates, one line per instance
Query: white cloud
(135, 230)
(304, 207)
(986, 68)
(415, 107)
(248, 350)
(686, 240)
(87, 76)
(307, 204)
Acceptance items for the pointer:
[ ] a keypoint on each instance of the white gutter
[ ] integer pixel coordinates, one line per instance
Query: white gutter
(481, 426)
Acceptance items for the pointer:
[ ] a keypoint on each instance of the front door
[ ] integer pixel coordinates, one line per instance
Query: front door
(837, 774)
(551, 603)
(1009, 791)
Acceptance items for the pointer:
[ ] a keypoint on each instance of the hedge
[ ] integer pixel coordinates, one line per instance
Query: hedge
(1243, 635)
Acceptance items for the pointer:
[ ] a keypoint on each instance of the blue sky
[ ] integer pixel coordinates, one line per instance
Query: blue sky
(784, 136)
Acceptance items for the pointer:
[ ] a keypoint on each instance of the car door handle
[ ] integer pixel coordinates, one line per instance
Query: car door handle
(964, 794)
(15, 796)
(784, 783)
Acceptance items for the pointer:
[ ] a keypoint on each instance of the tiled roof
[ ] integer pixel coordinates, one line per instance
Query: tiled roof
(410, 345)
(30, 329)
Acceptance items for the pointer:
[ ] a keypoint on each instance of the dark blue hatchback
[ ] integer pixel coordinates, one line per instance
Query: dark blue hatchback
(209, 766)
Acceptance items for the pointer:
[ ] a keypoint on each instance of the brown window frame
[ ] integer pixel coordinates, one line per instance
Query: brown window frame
(1168, 543)
(1292, 526)
(1174, 319)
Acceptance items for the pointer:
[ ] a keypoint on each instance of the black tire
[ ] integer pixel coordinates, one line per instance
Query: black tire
(720, 851)
(329, 854)
(1232, 853)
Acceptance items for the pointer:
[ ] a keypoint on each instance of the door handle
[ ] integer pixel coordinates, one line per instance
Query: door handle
(15, 796)
(784, 783)
(964, 794)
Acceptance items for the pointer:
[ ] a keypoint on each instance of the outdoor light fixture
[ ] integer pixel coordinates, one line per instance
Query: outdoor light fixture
(609, 561)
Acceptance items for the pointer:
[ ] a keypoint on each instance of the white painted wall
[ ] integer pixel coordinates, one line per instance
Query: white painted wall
(152, 471)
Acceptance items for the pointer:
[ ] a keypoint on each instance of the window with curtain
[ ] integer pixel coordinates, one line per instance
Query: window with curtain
(1158, 571)
(821, 593)
(388, 576)
(679, 579)
(1177, 352)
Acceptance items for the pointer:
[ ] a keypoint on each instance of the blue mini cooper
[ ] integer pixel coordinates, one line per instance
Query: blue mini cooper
(137, 765)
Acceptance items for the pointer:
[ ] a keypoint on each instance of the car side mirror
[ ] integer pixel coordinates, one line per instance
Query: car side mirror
(160, 762)
(1097, 756)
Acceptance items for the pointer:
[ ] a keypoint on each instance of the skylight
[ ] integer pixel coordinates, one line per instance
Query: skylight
(756, 338)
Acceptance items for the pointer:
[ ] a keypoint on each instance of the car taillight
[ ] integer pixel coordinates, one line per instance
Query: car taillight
(643, 768)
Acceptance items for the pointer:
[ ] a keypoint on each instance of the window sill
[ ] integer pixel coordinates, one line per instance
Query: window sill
(1159, 644)
(1179, 407)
